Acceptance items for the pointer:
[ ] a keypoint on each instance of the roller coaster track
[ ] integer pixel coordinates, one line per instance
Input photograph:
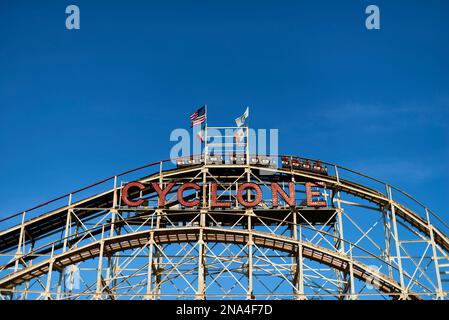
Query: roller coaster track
(41, 225)
(119, 243)
(55, 220)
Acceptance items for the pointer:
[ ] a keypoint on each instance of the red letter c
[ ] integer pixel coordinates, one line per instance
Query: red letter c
(125, 194)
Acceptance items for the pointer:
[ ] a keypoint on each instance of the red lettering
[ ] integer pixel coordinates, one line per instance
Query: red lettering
(181, 196)
(310, 194)
(214, 201)
(162, 193)
(276, 189)
(277, 192)
(248, 185)
(125, 194)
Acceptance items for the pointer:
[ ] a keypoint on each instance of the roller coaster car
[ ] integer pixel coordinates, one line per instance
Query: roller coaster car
(260, 161)
(296, 163)
(213, 159)
(302, 164)
(192, 161)
(181, 163)
(285, 161)
(318, 166)
(253, 160)
(290, 162)
(237, 159)
(195, 161)
(265, 161)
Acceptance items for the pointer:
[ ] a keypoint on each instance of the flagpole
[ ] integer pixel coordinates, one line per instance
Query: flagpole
(205, 135)
(247, 137)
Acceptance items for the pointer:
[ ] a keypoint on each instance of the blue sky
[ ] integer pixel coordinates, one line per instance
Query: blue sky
(78, 106)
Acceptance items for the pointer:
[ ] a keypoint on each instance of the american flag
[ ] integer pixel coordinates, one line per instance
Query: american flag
(199, 116)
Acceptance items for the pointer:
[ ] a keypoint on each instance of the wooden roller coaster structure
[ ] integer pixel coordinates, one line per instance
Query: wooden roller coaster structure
(368, 241)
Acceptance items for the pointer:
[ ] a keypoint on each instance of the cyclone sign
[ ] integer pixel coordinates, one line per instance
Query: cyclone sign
(211, 198)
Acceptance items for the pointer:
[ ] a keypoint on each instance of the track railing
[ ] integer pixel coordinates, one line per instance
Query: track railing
(273, 161)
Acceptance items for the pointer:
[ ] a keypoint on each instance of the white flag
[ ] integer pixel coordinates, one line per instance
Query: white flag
(240, 121)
